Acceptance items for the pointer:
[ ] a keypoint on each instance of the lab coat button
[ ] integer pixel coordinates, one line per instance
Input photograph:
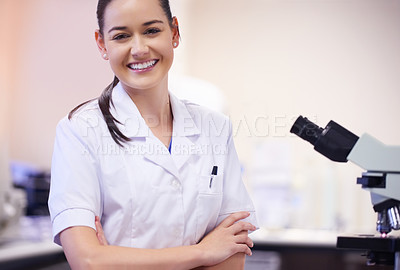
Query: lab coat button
(175, 183)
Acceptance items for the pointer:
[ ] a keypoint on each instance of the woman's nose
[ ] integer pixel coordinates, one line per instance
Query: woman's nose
(139, 48)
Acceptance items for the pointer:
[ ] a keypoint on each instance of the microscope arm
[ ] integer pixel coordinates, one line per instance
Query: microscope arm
(372, 155)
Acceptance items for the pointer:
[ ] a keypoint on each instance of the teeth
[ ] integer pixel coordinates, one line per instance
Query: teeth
(143, 65)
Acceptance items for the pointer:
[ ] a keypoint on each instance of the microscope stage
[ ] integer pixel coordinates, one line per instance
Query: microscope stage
(369, 242)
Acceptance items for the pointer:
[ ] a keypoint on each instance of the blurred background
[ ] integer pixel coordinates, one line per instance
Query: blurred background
(265, 62)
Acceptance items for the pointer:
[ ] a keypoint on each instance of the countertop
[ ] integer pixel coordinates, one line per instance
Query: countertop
(30, 238)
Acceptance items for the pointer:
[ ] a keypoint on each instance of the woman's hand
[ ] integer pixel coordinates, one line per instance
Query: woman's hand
(100, 233)
(227, 239)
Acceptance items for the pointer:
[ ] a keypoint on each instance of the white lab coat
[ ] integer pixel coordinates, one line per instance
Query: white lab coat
(145, 196)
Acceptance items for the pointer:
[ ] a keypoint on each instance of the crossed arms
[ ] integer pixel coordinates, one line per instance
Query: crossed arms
(223, 248)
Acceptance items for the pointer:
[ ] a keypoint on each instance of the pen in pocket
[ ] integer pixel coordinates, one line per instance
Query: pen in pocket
(213, 174)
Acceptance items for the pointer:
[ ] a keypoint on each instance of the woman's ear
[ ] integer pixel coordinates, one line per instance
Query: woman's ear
(175, 32)
(100, 44)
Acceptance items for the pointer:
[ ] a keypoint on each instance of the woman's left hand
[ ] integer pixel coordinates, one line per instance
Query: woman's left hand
(99, 232)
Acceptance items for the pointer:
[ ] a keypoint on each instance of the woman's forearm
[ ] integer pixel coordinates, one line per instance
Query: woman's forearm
(84, 252)
(235, 262)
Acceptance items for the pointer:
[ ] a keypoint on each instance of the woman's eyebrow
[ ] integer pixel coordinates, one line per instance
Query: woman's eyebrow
(119, 28)
(152, 22)
(116, 28)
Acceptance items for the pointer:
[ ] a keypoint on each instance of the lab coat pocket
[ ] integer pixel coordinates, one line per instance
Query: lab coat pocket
(209, 202)
(210, 184)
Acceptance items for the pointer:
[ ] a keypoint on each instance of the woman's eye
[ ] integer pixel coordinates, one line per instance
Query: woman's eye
(152, 31)
(120, 36)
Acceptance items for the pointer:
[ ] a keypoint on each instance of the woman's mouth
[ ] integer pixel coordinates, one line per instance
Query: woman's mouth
(143, 66)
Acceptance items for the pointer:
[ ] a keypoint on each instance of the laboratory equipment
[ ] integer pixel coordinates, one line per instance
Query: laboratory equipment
(381, 179)
(12, 201)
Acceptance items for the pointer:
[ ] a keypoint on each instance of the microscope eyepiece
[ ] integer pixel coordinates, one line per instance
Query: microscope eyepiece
(306, 130)
(334, 141)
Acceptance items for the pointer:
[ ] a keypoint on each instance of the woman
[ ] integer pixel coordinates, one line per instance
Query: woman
(162, 174)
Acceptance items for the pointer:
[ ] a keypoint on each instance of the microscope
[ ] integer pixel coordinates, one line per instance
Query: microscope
(381, 179)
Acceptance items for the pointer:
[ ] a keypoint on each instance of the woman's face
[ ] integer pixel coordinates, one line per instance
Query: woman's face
(139, 43)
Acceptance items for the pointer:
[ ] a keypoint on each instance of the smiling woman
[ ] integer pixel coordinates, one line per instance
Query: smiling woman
(130, 159)
(141, 47)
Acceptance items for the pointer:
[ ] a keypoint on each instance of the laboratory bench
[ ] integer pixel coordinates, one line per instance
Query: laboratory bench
(29, 247)
(294, 249)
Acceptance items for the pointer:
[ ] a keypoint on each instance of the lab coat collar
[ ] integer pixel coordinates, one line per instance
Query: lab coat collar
(185, 132)
(161, 158)
(132, 125)
(131, 122)
(184, 124)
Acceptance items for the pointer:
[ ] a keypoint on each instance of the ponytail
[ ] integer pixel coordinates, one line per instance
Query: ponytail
(105, 102)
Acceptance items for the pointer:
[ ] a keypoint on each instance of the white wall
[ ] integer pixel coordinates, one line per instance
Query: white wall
(56, 67)
(4, 96)
(273, 60)
(5, 72)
